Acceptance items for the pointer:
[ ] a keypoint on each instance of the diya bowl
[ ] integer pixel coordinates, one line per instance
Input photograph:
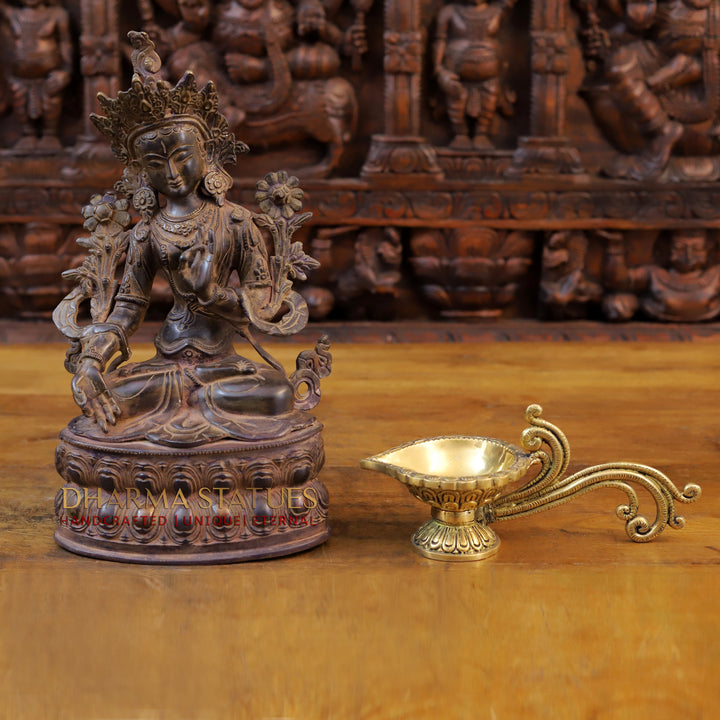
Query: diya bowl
(456, 475)
(468, 483)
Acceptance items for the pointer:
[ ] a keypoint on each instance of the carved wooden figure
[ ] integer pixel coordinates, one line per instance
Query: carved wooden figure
(565, 289)
(468, 68)
(369, 287)
(38, 59)
(199, 454)
(686, 291)
(277, 67)
(654, 83)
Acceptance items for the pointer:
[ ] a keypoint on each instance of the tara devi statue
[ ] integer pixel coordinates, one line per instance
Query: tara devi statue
(198, 454)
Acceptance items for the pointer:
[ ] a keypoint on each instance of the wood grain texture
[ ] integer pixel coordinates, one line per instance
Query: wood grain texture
(569, 620)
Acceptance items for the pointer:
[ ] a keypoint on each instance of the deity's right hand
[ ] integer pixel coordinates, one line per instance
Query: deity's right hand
(356, 38)
(92, 395)
(195, 269)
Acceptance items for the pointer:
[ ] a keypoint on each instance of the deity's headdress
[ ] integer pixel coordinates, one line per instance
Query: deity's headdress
(152, 103)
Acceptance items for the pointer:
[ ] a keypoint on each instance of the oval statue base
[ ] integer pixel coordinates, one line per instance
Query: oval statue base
(223, 502)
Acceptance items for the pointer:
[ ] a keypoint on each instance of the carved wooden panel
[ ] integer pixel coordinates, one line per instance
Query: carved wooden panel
(548, 158)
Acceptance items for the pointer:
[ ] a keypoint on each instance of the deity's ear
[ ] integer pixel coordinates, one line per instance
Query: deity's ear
(216, 184)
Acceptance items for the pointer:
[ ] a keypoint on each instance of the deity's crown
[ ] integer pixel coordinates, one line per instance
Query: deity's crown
(152, 102)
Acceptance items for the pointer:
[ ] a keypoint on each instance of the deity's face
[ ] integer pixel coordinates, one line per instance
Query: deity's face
(173, 159)
(194, 12)
(689, 251)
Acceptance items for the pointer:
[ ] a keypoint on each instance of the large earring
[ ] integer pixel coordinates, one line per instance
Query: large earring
(216, 184)
(145, 202)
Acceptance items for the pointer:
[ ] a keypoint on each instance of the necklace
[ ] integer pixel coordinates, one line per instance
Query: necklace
(185, 224)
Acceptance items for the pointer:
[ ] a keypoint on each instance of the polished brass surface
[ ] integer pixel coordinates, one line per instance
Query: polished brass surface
(452, 463)
(456, 476)
(549, 488)
(465, 480)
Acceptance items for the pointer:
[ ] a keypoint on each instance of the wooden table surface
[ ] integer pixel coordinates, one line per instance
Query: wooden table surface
(569, 620)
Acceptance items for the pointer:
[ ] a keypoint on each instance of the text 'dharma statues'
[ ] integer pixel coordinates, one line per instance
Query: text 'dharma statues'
(198, 454)
(37, 59)
(468, 68)
(653, 84)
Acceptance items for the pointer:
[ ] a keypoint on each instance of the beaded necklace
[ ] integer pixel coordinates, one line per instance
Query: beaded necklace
(181, 232)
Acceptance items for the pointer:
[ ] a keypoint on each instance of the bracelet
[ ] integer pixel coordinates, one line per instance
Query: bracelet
(93, 355)
(122, 337)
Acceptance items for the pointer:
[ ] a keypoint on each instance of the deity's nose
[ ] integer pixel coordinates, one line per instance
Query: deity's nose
(172, 169)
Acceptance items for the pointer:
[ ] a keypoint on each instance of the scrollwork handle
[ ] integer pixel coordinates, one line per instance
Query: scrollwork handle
(549, 448)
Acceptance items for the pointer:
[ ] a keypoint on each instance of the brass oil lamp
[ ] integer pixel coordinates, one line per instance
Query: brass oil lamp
(472, 482)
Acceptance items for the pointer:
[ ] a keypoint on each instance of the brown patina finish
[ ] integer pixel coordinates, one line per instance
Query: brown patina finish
(198, 454)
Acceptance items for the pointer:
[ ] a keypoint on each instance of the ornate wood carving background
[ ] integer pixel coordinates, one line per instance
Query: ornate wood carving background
(551, 159)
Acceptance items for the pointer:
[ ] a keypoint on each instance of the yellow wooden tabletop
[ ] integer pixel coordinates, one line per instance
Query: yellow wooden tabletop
(569, 620)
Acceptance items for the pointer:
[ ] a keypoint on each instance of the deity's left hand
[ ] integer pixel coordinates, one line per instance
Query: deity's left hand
(195, 269)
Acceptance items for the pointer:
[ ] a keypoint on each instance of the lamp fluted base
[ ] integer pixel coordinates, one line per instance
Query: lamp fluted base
(464, 542)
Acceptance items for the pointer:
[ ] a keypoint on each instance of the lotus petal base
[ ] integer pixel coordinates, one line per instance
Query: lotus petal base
(464, 542)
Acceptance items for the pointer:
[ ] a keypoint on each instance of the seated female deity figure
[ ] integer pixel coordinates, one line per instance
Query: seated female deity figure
(196, 388)
(197, 421)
